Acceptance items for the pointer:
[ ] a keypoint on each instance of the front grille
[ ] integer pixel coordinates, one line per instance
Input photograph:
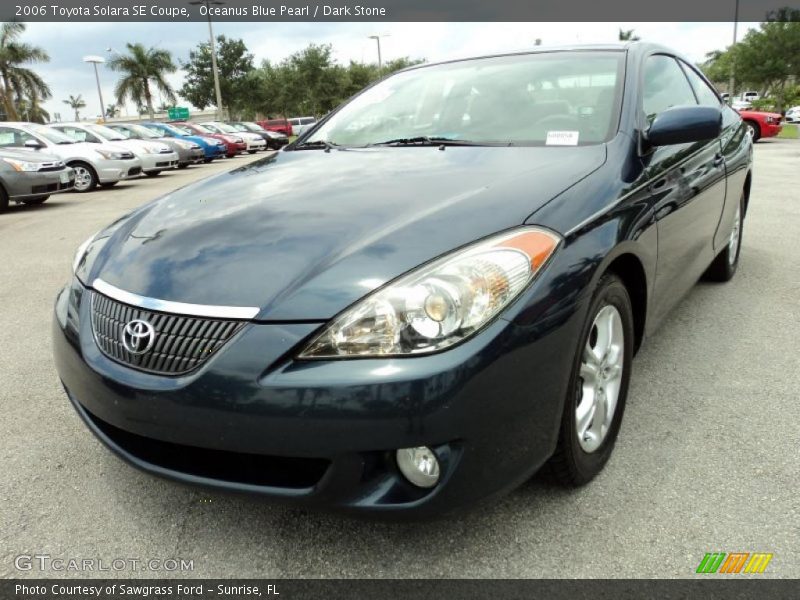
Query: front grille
(180, 343)
(45, 188)
(134, 171)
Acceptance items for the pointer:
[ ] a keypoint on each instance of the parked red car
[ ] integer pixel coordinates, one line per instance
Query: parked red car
(233, 143)
(280, 125)
(762, 124)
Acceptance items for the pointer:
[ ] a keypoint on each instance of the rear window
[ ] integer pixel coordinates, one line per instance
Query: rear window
(548, 98)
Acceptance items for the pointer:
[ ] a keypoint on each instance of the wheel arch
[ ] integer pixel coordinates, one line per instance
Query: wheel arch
(626, 264)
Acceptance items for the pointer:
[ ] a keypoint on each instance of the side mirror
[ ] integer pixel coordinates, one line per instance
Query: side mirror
(33, 144)
(684, 124)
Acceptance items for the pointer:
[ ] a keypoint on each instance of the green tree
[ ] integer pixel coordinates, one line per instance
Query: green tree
(76, 103)
(768, 58)
(628, 35)
(17, 82)
(141, 67)
(234, 64)
(30, 110)
(112, 110)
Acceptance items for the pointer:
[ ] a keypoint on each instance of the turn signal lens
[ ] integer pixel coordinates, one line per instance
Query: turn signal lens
(440, 304)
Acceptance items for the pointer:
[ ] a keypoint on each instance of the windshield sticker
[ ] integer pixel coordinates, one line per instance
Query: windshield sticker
(562, 138)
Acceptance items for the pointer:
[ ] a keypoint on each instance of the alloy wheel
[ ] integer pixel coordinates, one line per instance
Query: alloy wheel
(736, 233)
(83, 178)
(600, 378)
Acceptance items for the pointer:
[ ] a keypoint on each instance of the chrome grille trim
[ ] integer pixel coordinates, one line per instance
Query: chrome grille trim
(182, 343)
(211, 311)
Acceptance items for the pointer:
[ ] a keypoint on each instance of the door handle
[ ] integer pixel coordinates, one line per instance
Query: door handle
(719, 160)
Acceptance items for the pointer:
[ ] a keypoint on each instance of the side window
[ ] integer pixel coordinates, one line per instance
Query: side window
(75, 134)
(665, 86)
(706, 95)
(6, 137)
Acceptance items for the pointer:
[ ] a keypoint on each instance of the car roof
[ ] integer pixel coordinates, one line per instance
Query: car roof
(637, 47)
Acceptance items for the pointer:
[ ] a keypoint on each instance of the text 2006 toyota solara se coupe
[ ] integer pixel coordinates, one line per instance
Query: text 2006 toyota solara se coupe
(422, 300)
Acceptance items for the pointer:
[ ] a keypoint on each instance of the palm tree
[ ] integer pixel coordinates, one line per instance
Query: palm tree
(76, 103)
(16, 81)
(31, 110)
(628, 35)
(139, 68)
(112, 110)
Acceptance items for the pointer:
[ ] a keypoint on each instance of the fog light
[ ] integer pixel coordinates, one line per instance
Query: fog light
(419, 465)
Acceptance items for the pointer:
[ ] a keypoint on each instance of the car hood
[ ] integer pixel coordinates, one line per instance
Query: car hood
(140, 145)
(302, 235)
(85, 150)
(28, 155)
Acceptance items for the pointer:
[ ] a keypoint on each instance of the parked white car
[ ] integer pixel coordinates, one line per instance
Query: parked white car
(155, 156)
(793, 115)
(750, 96)
(254, 141)
(103, 164)
(302, 124)
(739, 104)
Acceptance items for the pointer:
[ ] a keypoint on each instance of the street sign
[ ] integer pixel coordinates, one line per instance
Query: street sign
(178, 113)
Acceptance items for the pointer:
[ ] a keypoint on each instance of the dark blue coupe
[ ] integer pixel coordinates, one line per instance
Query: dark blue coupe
(426, 297)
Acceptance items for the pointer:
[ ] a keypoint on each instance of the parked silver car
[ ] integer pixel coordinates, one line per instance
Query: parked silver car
(155, 156)
(189, 152)
(103, 164)
(29, 177)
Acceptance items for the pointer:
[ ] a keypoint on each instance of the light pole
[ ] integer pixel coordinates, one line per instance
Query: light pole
(213, 51)
(95, 60)
(377, 38)
(733, 53)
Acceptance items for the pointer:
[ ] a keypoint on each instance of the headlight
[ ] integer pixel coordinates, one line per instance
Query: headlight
(22, 165)
(80, 253)
(439, 304)
(109, 154)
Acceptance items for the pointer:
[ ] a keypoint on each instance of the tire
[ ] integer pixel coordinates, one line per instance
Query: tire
(3, 199)
(36, 201)
(725, 264)
(755, 130)
(207, 160)
(251, 151)
(593, 384)
(153, 173)
(85, 177)
(109, 184)
(183, 165)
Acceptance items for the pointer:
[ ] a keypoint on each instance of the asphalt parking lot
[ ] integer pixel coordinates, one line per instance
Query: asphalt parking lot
(708, 457)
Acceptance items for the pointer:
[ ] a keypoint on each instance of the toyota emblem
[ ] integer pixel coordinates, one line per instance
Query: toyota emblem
(138, 336)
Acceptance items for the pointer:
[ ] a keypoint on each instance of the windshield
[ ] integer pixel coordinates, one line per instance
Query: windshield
(251, 127)
(52, 135)
(239, 127)
(106, 133)
(144, 131)
(180, 130)
(540, 99)
(202, 128)
(225, 128)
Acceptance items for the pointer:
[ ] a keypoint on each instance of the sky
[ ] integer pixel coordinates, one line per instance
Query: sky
(67, 44)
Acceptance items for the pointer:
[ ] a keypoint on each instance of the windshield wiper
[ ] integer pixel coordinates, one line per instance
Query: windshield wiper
(425, 140)
(316, 145)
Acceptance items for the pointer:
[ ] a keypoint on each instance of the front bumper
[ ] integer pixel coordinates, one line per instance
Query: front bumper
(111, 171)
(188, 156)
(23, 185)
(253, 145)
(324, 432)
(770, 129)
(158, 162)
